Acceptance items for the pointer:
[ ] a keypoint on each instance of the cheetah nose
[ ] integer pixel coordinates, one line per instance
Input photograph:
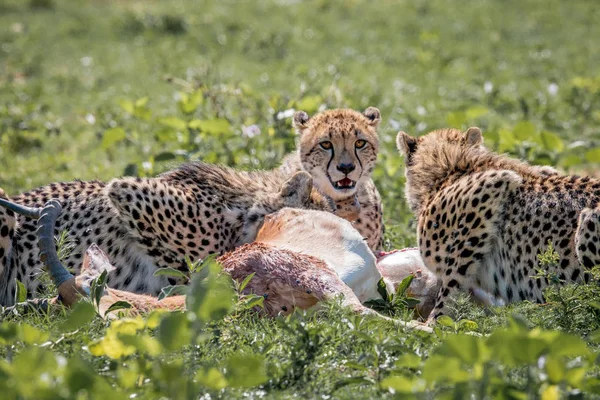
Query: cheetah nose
(346, 168)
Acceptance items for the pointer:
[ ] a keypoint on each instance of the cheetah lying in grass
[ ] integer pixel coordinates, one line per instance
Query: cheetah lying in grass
(339, 149)
(299, 258)
(483, 218)
(144, 224)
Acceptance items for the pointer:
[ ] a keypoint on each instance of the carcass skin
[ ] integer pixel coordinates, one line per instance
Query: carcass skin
(287, 279)
(331, 239)
(398, 264)
(299, 260)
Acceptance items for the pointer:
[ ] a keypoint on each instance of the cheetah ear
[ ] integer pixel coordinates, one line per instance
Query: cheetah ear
(373, 115)
(407, 144)
(298, 188)
(473, 136)
(301, 119)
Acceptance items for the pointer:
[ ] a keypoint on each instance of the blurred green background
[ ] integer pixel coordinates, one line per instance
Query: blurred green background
(95, 89)
(98, 89)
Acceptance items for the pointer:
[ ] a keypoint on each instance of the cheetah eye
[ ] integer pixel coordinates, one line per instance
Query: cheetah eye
(359, 144)
(326, 145)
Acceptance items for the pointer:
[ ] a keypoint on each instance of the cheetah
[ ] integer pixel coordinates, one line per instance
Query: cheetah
(339, 149)
(483, 218)
(143, 224)
(291, 263)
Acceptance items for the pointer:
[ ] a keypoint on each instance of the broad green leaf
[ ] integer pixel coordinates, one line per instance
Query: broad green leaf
(153, 319)
(245, 370)
(457, 119)
(167, 136)
(555, 369)
(118, 305)
(475, 112)
(141, 102)
(355, 380)
(127, 377)
(80, 376)
(246, 281)
(310, 104)
(188, 103)
(404, 285)
(164, 156)
(594, 336)
(173, 290)
(83, 313)
(516, 348)
(401, 384)
(97, 288)
(571, 160)
(506, 140)
(382, 289)
(575, 376)
(112, 136)
(174, 122)
(408, 360)
(141, 343)
(593, 155)
(552, 142)
(173, 331)
(445, 320)
(468, 325)
(569, 345)
(253, 301)
(168, 271)
(9, 332)
(439, 369)
(122, 338)
(21, 293)
(127, 105)
(211, 378)
(551, 392)
(211, 126)
(31, 335)
(524, 130)
(210, 298)
(131, 170)
(392, 165)
(467, 348)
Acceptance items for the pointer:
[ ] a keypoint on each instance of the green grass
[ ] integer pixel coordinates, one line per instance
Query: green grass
(96, 89)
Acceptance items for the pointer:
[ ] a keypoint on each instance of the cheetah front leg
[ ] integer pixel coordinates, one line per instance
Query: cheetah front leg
(7, 230)
(458, 231)
(587, 238)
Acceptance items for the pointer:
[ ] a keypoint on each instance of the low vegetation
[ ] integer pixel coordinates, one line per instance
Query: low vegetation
(100, 89)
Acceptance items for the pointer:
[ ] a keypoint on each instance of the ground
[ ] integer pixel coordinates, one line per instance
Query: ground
(103, 88)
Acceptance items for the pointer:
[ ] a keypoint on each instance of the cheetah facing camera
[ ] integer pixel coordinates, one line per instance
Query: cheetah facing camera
(483, 218)
(339, 149)
(143, 224)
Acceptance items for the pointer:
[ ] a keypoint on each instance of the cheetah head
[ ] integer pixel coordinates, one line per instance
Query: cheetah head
(432, 158)
(338, 148)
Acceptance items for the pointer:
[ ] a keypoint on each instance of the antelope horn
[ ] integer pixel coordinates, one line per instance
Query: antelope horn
(47, 216)
(29, 212)
(48, 253)
(68, 291)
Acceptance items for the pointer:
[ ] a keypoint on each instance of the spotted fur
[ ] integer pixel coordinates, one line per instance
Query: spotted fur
(483, 218)
(343, 129)
(143, 224)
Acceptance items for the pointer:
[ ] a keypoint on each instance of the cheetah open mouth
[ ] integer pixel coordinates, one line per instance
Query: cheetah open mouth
(344, 184)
